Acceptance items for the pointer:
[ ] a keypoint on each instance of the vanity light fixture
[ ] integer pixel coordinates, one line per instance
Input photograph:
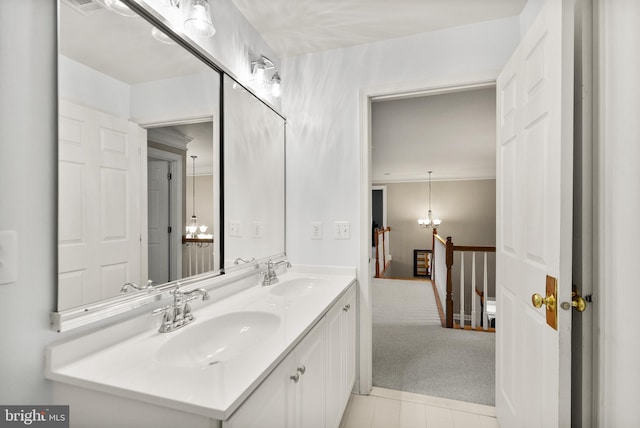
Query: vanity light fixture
(276, 90)
(198, 18)
(260, 80)
(429, 221)
(193, 17)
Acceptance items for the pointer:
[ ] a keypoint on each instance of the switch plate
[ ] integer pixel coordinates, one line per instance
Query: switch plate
(316, 230)
(342, 230)
(257, 229)
(235, 228)
(8, 256)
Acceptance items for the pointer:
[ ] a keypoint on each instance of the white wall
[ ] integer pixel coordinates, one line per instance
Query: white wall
(28, 162)
(619, 204)
(166, 100)
(467, 208)
(28, 177)
(322, 106)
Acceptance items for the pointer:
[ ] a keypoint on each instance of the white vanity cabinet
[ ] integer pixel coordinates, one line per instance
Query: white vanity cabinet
(341, 356)
(299, 376)
(310, 388)
(293, 394)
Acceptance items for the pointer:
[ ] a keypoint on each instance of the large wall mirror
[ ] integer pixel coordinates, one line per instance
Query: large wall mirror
(141, 135)
(139, 152)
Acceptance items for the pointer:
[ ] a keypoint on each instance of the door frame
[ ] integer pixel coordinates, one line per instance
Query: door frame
(367, 95)
(590, 353)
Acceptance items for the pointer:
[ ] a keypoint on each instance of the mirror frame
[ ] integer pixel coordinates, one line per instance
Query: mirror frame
(67, 319)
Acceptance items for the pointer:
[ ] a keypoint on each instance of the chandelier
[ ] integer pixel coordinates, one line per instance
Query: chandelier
(429, 221)
(195, 230)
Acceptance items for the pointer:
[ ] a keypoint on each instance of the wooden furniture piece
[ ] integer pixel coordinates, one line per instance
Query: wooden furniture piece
(422, 263)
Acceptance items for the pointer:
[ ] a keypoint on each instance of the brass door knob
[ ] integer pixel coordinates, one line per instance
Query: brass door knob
(577, 302)
(550, 301)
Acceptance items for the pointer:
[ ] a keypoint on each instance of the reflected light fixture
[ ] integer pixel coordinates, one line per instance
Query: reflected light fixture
(429, 221)
(195, 230)
(120, 8)
(162, 37)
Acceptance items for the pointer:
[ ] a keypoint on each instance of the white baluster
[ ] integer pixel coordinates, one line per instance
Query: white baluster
(462, 289)
(473, 290)
(485, 322)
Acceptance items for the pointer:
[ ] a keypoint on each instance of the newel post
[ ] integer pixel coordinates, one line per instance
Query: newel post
(449, 304)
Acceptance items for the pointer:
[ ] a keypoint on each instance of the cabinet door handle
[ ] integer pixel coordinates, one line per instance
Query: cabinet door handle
(302, 369)
(346, 307)
(295, 377)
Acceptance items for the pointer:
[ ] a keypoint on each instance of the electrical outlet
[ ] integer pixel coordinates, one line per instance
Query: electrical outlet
(342, 230)
(316, 230)
(257, 228)
(8, 256)
(235, 228)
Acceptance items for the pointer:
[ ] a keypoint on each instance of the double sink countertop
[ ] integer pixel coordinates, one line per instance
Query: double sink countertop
(210, 366)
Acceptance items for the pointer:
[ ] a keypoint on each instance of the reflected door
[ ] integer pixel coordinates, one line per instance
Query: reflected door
(159, 203)
(99, 235)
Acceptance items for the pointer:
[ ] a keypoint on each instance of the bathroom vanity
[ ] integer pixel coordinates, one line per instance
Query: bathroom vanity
(266, 356)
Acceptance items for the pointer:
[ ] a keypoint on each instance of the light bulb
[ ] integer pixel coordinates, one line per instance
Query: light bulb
(198, 22)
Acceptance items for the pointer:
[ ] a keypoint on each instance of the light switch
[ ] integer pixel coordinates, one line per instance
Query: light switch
(257, 228)
(342, 230)
(316, 230)
(8, 256)
(235, 228)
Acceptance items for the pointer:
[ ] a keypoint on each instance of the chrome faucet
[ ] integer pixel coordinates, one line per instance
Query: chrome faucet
(240, 259)
(179, 314)
(269, 276)
(125, 288)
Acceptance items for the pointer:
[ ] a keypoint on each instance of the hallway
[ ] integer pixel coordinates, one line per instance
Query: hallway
(413, 353)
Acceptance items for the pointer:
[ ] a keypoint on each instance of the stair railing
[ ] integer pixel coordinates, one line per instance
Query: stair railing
(443, 277)
(382, 250)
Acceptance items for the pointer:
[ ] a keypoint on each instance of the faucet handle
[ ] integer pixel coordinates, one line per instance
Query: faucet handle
(161, 310)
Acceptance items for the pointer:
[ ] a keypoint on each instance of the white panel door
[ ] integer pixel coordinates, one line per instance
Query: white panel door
(159, 221)
(99, 246)
(534, 219)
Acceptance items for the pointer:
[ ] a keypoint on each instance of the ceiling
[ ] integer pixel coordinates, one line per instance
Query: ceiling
(296, 27)
(453, 135)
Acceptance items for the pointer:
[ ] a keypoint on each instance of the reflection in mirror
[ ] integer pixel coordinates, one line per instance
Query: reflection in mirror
(254, 162)
(132, 112)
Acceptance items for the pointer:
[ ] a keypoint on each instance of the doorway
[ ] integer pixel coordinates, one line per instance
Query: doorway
(367, 97)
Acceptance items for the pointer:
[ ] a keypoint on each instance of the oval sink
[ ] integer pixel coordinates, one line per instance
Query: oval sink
(209, 342)
(297, 287)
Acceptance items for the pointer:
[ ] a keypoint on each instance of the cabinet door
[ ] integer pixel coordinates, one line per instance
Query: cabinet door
(267, 406)
(336, 377)
(309, 410)
(350, 339)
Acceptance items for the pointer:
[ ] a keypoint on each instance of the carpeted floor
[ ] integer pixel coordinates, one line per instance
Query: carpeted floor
(413, 353)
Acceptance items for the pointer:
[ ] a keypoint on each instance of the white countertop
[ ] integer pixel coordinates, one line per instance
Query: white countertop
(130, 368)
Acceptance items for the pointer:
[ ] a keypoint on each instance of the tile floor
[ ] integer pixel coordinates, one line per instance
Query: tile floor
(386, 408)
